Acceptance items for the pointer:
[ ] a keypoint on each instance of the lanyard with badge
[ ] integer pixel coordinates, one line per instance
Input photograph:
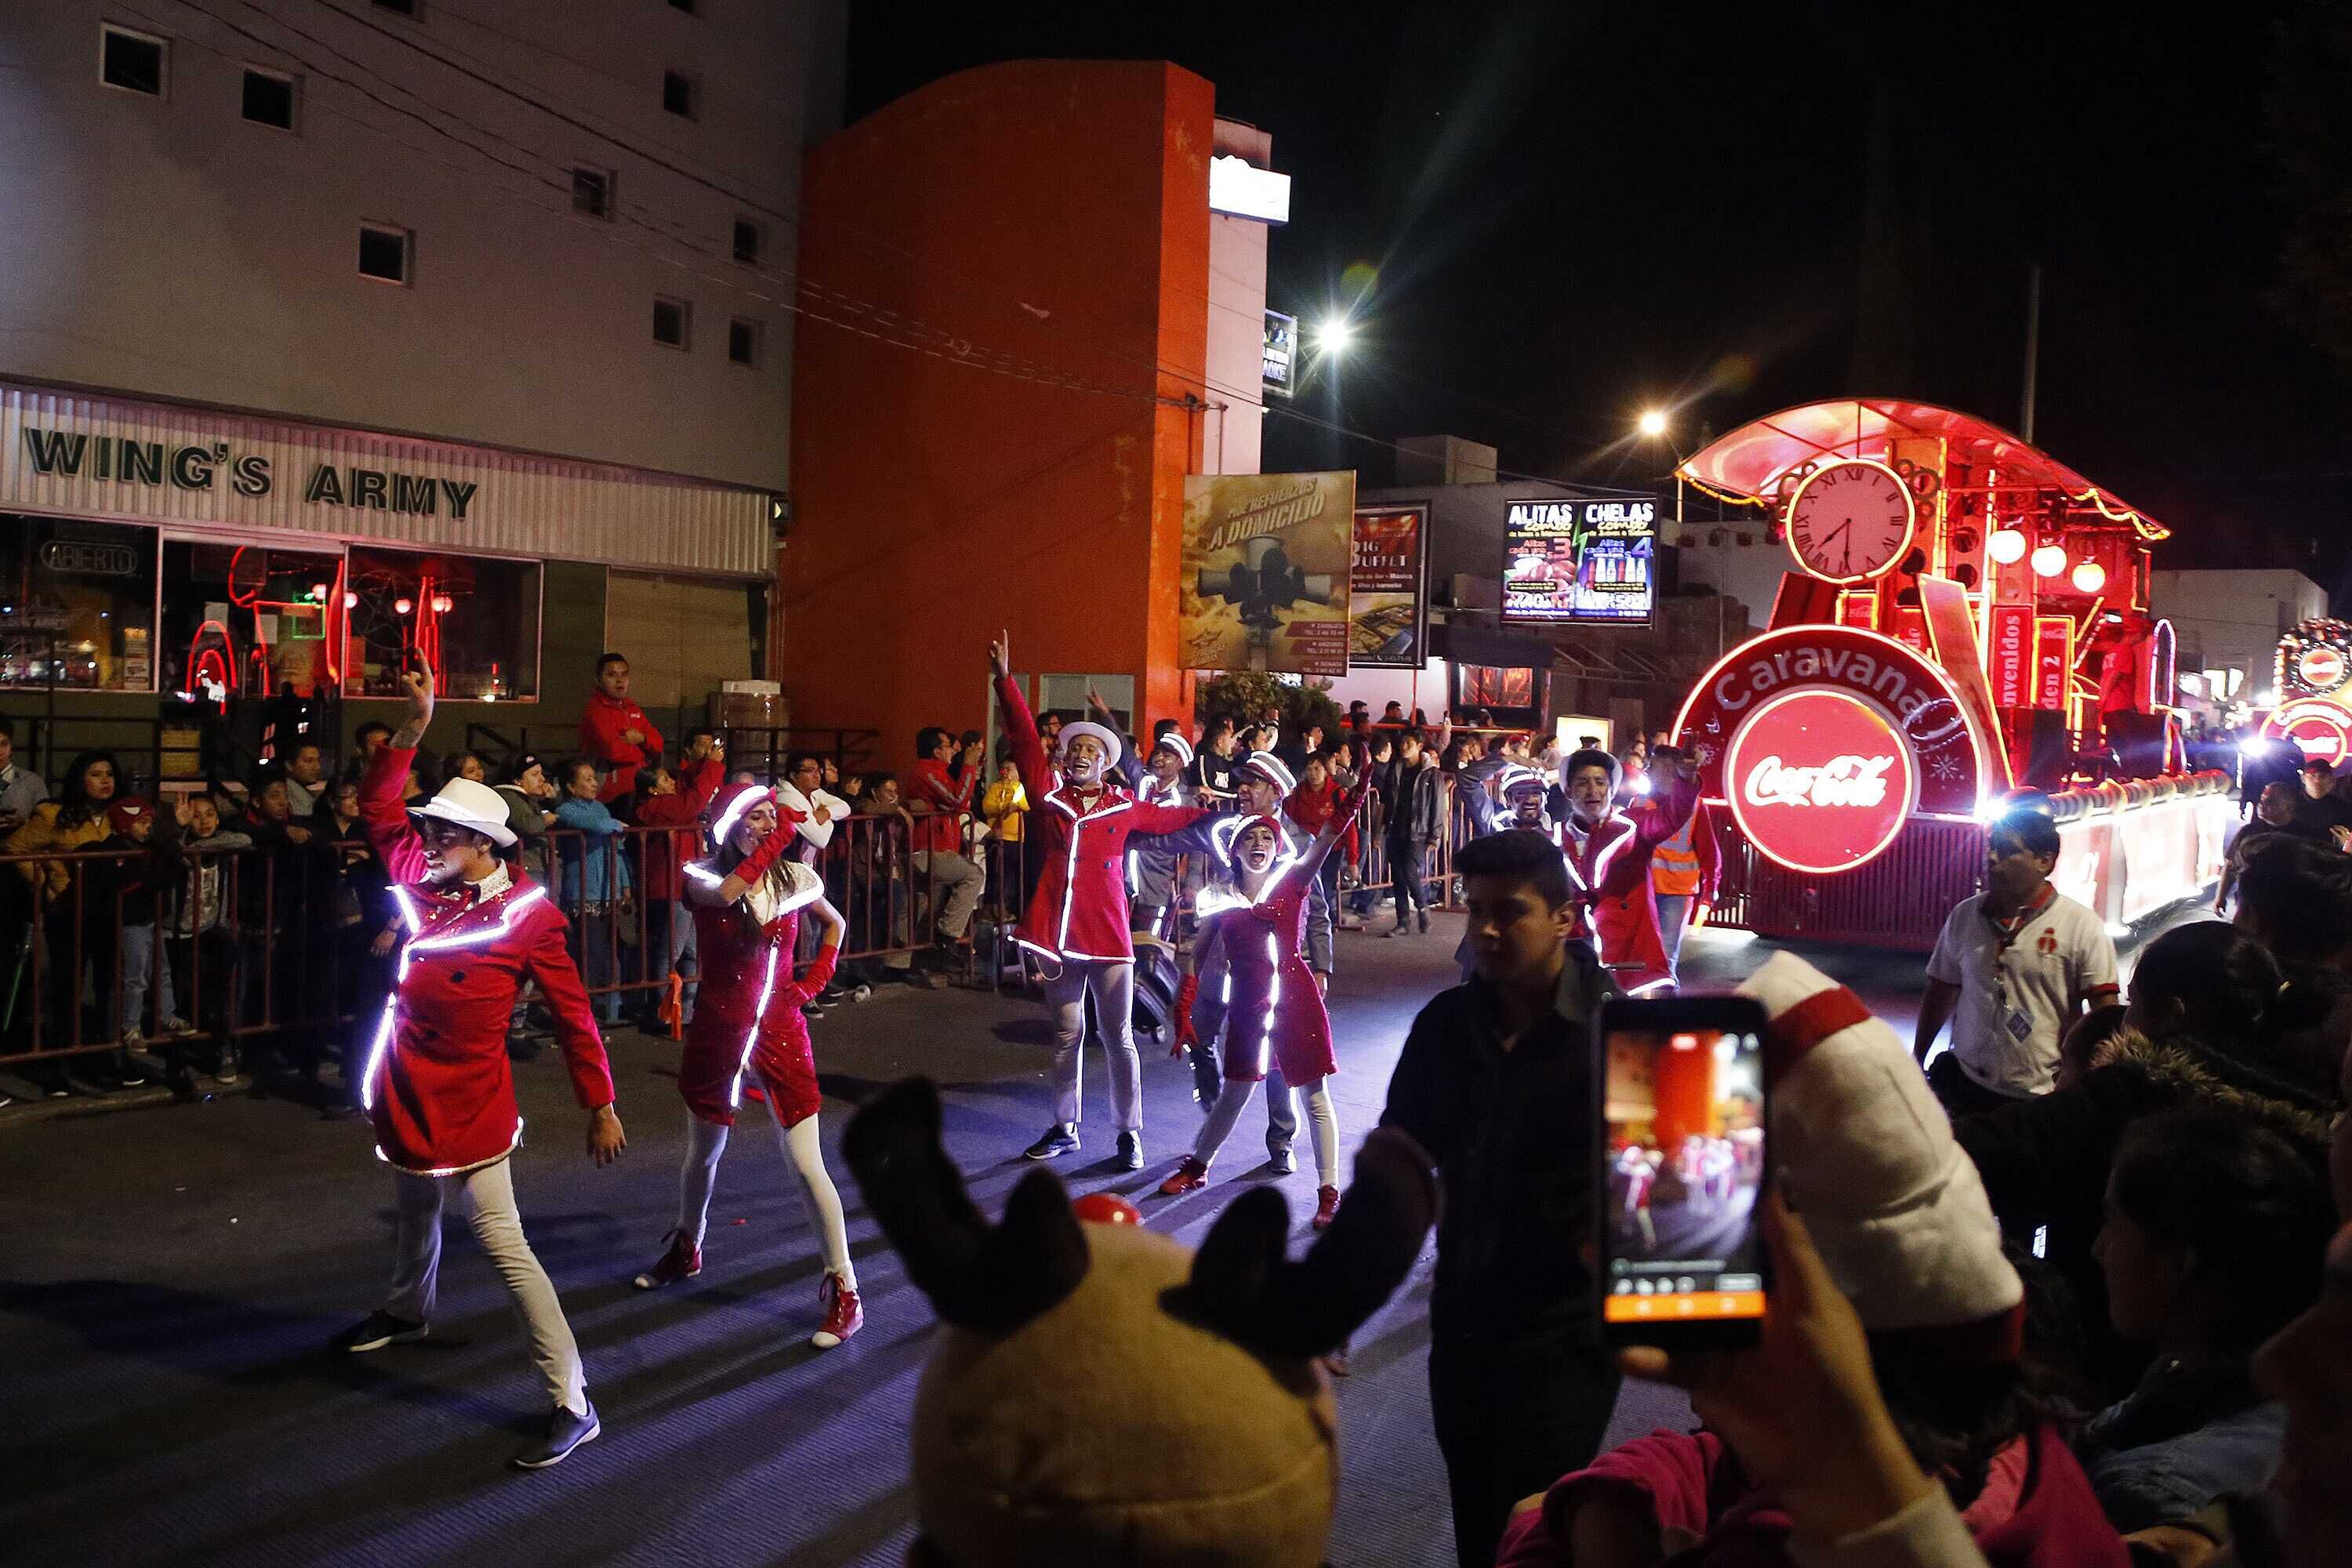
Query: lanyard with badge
(2018, 1021)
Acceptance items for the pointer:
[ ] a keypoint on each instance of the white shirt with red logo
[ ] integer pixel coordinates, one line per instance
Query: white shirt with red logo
(2019, 991)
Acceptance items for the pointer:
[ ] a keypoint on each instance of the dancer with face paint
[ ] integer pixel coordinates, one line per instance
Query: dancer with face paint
(748, 894)
(438, 1085)
(1078, 920)
(1609, 857)
(1253, 931)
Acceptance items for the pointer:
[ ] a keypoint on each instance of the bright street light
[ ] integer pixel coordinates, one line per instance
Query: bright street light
(1332, 335)
(1652, 423)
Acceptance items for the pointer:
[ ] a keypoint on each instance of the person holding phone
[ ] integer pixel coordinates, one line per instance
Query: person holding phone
(1496, 1083)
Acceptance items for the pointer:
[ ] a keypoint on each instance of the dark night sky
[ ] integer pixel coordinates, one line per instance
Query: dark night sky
(1577, 210)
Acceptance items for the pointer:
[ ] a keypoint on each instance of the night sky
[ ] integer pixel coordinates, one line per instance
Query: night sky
(1569, 212)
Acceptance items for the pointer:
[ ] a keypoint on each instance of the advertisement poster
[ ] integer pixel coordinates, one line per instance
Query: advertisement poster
(2009, 658)
(1388, 607)
(1266, 565)
(1589, 561)
(2053, 661)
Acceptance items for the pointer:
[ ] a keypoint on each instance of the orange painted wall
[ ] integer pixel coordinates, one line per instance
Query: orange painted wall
(1049, 218)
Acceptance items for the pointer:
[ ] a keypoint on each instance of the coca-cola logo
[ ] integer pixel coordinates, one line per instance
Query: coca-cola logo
(2321, 668)
(1820, 780)
(2318, 728)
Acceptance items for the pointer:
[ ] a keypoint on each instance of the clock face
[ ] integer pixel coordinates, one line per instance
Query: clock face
(1851, 521)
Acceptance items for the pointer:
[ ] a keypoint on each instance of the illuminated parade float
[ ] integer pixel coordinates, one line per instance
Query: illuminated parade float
(2314, 682)
(1964, 618)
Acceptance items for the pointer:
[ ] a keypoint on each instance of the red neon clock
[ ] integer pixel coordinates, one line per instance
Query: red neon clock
(1819, 781)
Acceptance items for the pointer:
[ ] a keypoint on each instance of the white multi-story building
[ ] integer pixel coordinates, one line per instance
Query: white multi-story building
(2227, 622)
(333, 334)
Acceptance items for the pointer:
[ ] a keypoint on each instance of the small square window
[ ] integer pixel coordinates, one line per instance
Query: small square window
(591, 192)
(679, 94)
(750, 241)
(385, 253)
(269, 99)
(402, 7)
(743, 335)
(688, 6)
(131, 61)
(673, 322)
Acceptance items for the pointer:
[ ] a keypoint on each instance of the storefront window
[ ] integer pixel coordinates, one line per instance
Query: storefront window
(249, 620)
(474, 620)
(77, 605)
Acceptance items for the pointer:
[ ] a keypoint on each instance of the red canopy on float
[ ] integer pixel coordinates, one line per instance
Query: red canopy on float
(1748, 465)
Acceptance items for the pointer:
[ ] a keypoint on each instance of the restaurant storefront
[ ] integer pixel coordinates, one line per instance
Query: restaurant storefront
(164, 557)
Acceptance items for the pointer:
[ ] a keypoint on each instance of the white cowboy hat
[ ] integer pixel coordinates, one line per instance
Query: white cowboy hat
(1110, 741)
(470, 805)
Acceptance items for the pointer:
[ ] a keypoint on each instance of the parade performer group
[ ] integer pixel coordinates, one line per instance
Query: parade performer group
(748, 894)
(1077, 925)
(438, 1085)
(1250, 945)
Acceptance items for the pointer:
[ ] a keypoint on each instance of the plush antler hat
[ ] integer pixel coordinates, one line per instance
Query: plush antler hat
(1099, 1394)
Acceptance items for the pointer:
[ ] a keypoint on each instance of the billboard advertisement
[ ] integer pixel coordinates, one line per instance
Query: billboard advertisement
(1571, 561)
(1268, 559)
(1388, 598)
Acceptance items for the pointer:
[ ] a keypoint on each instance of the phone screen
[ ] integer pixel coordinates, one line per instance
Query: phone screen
(1682, 1160)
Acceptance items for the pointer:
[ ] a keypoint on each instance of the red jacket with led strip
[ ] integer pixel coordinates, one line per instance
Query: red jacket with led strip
(438, 1087)
(1609, 874)
(1080, 907)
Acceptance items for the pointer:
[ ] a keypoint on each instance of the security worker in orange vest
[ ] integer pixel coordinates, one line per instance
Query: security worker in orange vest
(1685, 868)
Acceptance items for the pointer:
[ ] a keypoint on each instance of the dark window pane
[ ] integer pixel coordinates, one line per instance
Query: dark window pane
(480, 617)
(743, 341)
(688, 6)
(384, 253)
(591, 192)
(269, 101)
(134, 63)
(669, 323)
(677, 93)
(78, 607)
(406, 7)
(747, 241)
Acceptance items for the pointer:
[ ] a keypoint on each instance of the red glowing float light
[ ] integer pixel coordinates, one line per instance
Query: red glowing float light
(1819, 780)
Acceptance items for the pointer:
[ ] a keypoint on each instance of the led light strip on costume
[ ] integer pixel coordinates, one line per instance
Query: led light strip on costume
(417, 943)
(759, 1016)
(1212, 899)
(801, 896)
(1070, 871)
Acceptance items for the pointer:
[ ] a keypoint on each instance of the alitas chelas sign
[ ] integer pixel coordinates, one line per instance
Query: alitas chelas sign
(108, 459)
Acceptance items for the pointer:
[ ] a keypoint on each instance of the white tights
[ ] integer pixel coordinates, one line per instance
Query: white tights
(707, 1140)
(1234, 1097)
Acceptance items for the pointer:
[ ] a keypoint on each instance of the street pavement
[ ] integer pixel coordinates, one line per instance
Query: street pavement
(171, 1274)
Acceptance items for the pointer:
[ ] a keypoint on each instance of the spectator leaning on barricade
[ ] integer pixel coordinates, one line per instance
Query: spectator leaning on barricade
(938, 803)
(286, 932)
(597, 890)
(2207, 1007)
(674, 800)
(529, 795)
(201, 929)
(306, 768)
(129, 886)
(1416, 817)
(75, 1007)
(368, 928)
(1905, 1234)
(879, 912)
(2012, 967)
(1496, 1083)
(614, 733)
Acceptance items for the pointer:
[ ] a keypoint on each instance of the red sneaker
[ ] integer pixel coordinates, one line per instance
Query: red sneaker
(1327, 1206)
(844, 1314)
(1190, 1177)
(682, 1261)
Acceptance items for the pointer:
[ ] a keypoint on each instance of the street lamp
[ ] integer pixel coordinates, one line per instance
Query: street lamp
(1652, 423)
(1333, 334)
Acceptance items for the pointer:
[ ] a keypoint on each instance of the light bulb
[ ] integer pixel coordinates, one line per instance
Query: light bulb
(2006, 546)
(2089, 577)
(351, 600)
(2050, 560)
(402, 606)
(441, 604)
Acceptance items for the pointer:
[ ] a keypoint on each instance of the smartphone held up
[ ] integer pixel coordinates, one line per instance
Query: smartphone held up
(1681, 1149)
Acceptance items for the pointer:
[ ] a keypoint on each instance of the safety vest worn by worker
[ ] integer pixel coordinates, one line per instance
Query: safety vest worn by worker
(1674, 863)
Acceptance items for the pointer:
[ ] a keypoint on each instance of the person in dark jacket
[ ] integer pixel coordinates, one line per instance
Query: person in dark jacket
(2294, 897)
(287, 930)
(2207, 1007)
(1496, 1083)
(1416, 811)
(368, 930)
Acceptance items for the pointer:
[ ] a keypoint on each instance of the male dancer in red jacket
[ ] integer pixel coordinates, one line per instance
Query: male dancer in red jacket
(1608, 860)
(1077, 925)
(438, 1085)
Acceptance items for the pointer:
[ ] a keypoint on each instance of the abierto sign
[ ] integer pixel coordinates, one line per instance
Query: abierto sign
(1819, 780)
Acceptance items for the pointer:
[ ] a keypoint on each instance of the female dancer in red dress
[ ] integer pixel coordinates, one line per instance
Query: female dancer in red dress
(747, 896)
(1252, 927)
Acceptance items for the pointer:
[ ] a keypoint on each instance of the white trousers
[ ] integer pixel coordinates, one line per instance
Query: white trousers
(819, 1199)
(488, 1198)
(1111, 982)
(1234, 1098)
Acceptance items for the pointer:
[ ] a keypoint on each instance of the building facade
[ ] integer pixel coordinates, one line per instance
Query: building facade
(2226, 625)
(340, 336)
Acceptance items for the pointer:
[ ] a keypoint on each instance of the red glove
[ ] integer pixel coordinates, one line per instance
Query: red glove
(763, 858)
(1186, 1035)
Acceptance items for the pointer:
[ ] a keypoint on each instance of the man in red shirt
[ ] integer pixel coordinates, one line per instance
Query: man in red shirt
(938, 803)
(614, 733)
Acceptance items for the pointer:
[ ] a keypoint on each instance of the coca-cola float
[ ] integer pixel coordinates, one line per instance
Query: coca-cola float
(1964, 618)
(2314, 682)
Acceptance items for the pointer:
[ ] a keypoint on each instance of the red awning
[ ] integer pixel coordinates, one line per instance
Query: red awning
(1747, 465)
